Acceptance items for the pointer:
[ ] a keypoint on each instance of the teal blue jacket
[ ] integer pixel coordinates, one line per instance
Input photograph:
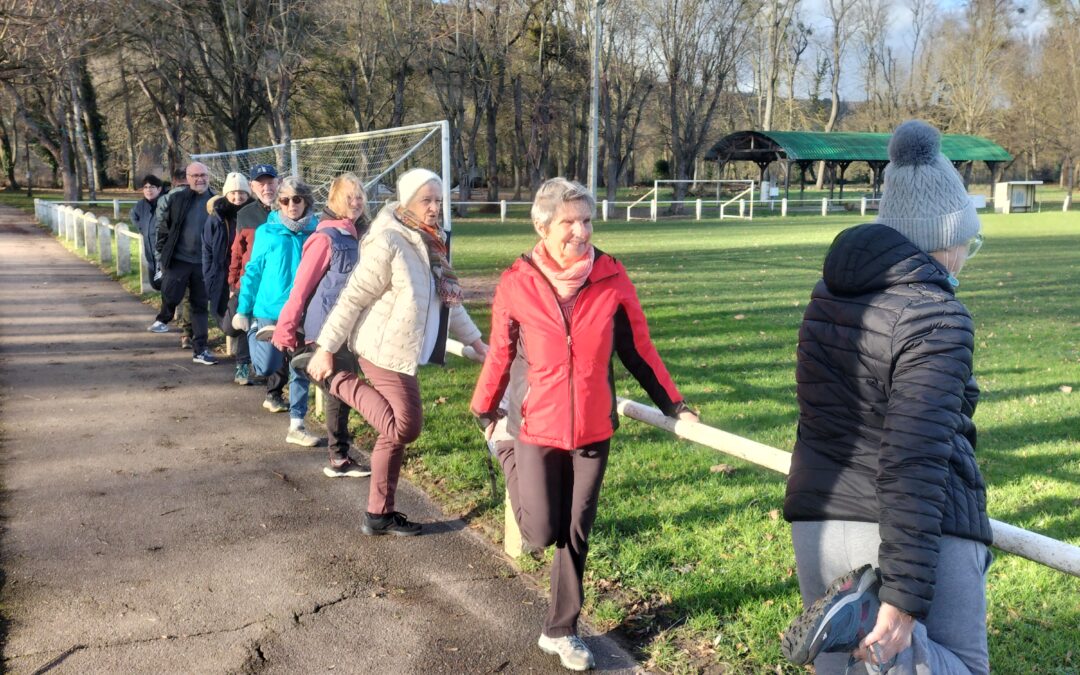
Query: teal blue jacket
(268, 277)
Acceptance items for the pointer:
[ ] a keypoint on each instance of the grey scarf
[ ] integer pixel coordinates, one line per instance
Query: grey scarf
(296, 226)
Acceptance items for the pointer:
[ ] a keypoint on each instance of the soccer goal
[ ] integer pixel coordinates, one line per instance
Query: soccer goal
(731, 198)
(377, 157)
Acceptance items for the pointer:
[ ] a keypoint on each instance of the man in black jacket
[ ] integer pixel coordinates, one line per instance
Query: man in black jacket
(179, 252)
(884, 474)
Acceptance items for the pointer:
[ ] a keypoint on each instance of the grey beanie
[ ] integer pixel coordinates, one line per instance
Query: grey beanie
(924, 198)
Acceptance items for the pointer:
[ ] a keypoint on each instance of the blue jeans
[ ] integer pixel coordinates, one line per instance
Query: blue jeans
(951, 640)
(266, 359)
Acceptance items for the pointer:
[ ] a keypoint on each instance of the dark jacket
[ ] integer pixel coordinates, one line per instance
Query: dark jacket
(571, 399)
(250, 217)
(217, 239)
(171, 223)
(143, 216)
(886, 397)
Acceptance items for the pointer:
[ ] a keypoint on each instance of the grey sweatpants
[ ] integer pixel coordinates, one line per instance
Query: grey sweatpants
(952, 638)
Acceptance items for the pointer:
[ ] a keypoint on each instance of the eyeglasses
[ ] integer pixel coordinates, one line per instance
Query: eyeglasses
(295, 199)
(149, 187)
(197, 175)
(974, 244)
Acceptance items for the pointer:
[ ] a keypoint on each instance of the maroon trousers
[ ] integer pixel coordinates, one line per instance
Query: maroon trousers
(554, 493)
(390, 402)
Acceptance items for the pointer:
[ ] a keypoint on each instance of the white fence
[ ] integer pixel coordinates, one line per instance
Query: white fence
(97, 236)
(1039, 548)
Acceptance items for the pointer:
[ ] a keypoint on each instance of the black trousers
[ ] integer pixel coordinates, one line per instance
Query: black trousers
(176, 279)
(337, 411)
(554, 494)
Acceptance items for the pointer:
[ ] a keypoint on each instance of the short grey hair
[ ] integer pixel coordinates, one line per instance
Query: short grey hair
(292, 185)
(555, 192)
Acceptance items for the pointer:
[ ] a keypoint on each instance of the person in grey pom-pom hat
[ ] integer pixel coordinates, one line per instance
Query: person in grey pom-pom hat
(884, 496)
(924, 198)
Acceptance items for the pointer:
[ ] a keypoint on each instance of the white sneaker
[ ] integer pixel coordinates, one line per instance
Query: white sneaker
(158, 327)
(571, 651)
(302, 437)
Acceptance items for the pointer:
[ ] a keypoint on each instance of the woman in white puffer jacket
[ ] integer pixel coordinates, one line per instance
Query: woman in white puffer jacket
(394, 314)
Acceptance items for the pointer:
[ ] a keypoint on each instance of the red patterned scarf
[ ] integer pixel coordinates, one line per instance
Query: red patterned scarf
(446, 280)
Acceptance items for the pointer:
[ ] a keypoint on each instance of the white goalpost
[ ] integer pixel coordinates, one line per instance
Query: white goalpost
(730, 198)
(377, 157)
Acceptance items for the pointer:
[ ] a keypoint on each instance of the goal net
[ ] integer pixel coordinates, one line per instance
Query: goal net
(377, 157)
(243, 161)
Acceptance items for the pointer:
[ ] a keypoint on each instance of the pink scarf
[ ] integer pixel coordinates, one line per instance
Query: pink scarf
(567, 282)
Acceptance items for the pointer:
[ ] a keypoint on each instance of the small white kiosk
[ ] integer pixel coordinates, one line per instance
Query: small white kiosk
(1015, 196)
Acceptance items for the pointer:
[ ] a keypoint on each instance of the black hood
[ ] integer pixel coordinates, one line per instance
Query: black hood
(873, 257)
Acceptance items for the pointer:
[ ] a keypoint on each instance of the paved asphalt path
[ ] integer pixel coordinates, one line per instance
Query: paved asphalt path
(154, 520)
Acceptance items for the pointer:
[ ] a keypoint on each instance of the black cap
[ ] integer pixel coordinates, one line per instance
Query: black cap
(260, 170)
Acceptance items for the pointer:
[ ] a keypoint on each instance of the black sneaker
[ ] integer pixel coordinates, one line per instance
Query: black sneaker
(275, 404)
(391, 523)
(185, 342)
(837, 621)
(345, 468)
(300, 360)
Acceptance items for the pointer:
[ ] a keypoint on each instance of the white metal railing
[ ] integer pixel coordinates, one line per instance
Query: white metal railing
(97, 236)
(1058, 555)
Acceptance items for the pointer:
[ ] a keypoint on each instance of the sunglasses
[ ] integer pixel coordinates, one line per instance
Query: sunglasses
(974, 244)
(295, 199)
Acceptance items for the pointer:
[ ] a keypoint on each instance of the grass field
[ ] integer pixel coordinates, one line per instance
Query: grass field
(694, 566)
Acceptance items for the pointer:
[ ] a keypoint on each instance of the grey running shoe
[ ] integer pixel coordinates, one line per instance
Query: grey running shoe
(571, 650)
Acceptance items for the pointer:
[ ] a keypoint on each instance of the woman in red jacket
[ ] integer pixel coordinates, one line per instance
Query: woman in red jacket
(560, 312)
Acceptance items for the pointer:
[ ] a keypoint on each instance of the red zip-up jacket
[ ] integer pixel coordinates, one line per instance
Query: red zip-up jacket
(568, 401)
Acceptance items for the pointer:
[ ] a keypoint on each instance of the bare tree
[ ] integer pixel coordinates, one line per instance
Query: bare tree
(697, 44)
(840, 22)
(776, 16)
(626, 82)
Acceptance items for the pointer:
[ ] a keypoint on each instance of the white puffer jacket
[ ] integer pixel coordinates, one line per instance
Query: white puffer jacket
(383, 310)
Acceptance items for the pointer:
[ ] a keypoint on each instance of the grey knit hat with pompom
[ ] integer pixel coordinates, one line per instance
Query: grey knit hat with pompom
(924, 197)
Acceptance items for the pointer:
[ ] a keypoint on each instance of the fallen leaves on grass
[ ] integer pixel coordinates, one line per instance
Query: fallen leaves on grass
(725, 469)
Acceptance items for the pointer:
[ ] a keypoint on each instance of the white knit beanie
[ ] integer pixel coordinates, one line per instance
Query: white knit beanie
(412, 180)
(924, 198)
(235, 181)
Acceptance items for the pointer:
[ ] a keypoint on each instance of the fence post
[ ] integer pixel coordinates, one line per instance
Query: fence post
(502, 211)
(144, 265)
(123, 250)
(603, 210)
(824, 206)
(90, 237)
(511, 533)
(783, 207)
(77, 228)
(116, 209)
(652, 209)
(862, 206)
(697, 210)
(104, 240)
(1067, 203)
(742, 208)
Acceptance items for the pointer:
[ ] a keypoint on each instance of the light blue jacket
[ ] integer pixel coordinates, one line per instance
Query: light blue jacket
(269, 274)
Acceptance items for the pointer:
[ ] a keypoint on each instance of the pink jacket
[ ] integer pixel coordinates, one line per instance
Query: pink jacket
(314, 262)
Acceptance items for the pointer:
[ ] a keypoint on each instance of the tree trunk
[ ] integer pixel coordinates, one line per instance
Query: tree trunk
(129, 125)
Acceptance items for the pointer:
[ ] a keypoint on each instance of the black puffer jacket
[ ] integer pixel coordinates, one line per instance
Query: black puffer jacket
(885, 403)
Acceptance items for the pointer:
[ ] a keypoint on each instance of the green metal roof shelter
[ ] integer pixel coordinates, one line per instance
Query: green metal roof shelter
(839, 150)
